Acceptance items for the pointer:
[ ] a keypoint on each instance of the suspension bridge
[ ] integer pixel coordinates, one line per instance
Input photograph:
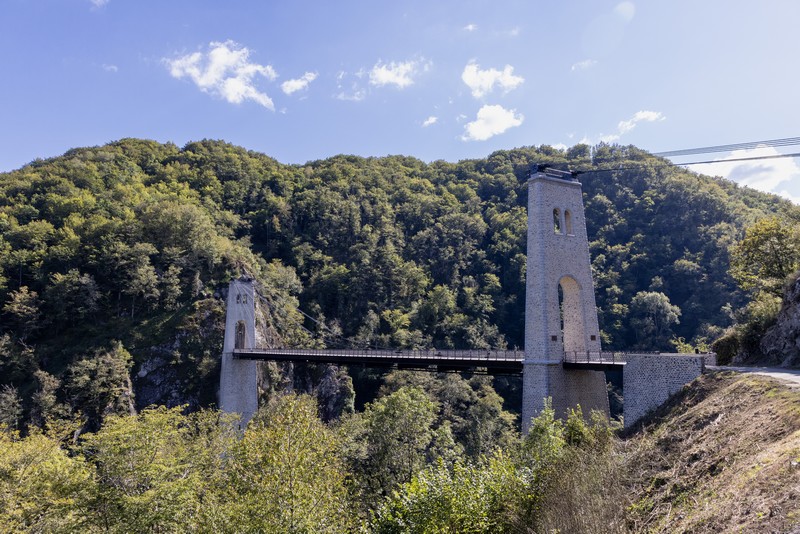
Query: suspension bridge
(562, 360)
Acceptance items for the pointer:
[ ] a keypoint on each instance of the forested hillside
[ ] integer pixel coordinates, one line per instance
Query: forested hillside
(114, 259)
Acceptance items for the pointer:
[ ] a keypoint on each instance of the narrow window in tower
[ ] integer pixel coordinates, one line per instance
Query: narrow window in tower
(557, 221)
(568, 222)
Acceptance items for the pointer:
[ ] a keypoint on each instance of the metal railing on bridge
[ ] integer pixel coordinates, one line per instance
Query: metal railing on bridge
(495, 360)
(595, 357)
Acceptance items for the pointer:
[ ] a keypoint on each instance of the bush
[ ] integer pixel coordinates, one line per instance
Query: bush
(726, 347)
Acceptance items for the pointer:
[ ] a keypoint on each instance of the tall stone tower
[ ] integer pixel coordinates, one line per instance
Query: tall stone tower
(238, 388)
(560, 310)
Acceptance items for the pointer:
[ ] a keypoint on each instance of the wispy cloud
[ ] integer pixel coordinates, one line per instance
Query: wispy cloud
(350, 86)
(224, 71)
(626, 126)
(110, 68)
(298, 84)
(353, 96)
(98, 3)
(400, 74)
(483, 82)
(769, 175)
(640, 116)
(471, 27)
(491, 120)
(430, 121)
(583, 65)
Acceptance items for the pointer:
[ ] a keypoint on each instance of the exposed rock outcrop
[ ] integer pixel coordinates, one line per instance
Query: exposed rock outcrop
(781, 342)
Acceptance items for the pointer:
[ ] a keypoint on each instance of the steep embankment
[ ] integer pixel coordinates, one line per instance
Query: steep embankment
(722, 456)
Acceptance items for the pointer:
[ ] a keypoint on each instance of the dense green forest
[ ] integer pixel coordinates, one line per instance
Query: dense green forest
(114, 264)
(114, 260)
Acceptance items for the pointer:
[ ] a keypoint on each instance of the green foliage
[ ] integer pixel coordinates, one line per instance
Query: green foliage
(162, 471)
(42, 487)
(768, 254)
(511, 493)
(100, 384)
(726, 347)
(155, 471)
(472, 408)
(762, 263)
(467, 497)
(398, 429)
(10, 408)
(654, 317)
(286, 473)
(23, 307)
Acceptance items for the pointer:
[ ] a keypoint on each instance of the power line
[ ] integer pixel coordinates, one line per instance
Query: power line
(788, 141)
(671, 164)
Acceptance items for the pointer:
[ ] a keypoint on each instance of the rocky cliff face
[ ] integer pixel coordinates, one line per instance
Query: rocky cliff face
(781, 343)
(184, 369)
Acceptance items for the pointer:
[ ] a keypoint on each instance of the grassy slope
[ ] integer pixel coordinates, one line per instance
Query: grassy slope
(722, 456)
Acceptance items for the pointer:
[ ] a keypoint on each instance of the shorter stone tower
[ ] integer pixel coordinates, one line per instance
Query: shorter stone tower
(560, 310)
(238, 385)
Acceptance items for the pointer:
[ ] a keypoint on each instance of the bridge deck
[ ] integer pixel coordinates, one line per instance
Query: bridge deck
(495, 361)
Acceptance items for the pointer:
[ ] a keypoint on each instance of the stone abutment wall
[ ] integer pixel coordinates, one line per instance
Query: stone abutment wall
(649, 380)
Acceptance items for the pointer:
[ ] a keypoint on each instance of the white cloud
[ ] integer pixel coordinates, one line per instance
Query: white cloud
(430, 121)
(639, 116)
(560, 146)
(298, 84)
(583, 65)
(624, 127)
(98, 3)
(225, 71)
(110, 68)
(471, 27)
(491, 121)
(400, 74)
(768, 175)
(625, 10)
(787, 195)
(483, 82)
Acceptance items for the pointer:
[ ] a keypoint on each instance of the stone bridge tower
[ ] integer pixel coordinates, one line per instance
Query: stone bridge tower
(238, 387)
(560, 310)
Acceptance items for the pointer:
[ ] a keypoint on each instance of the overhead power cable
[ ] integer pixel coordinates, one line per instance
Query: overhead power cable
(671, 164)
(788, 141)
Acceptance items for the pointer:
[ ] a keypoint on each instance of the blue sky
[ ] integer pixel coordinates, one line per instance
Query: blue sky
(303, 80)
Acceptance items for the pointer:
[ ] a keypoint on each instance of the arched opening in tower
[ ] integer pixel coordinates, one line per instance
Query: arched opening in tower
(573, 332)
(240, 339)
